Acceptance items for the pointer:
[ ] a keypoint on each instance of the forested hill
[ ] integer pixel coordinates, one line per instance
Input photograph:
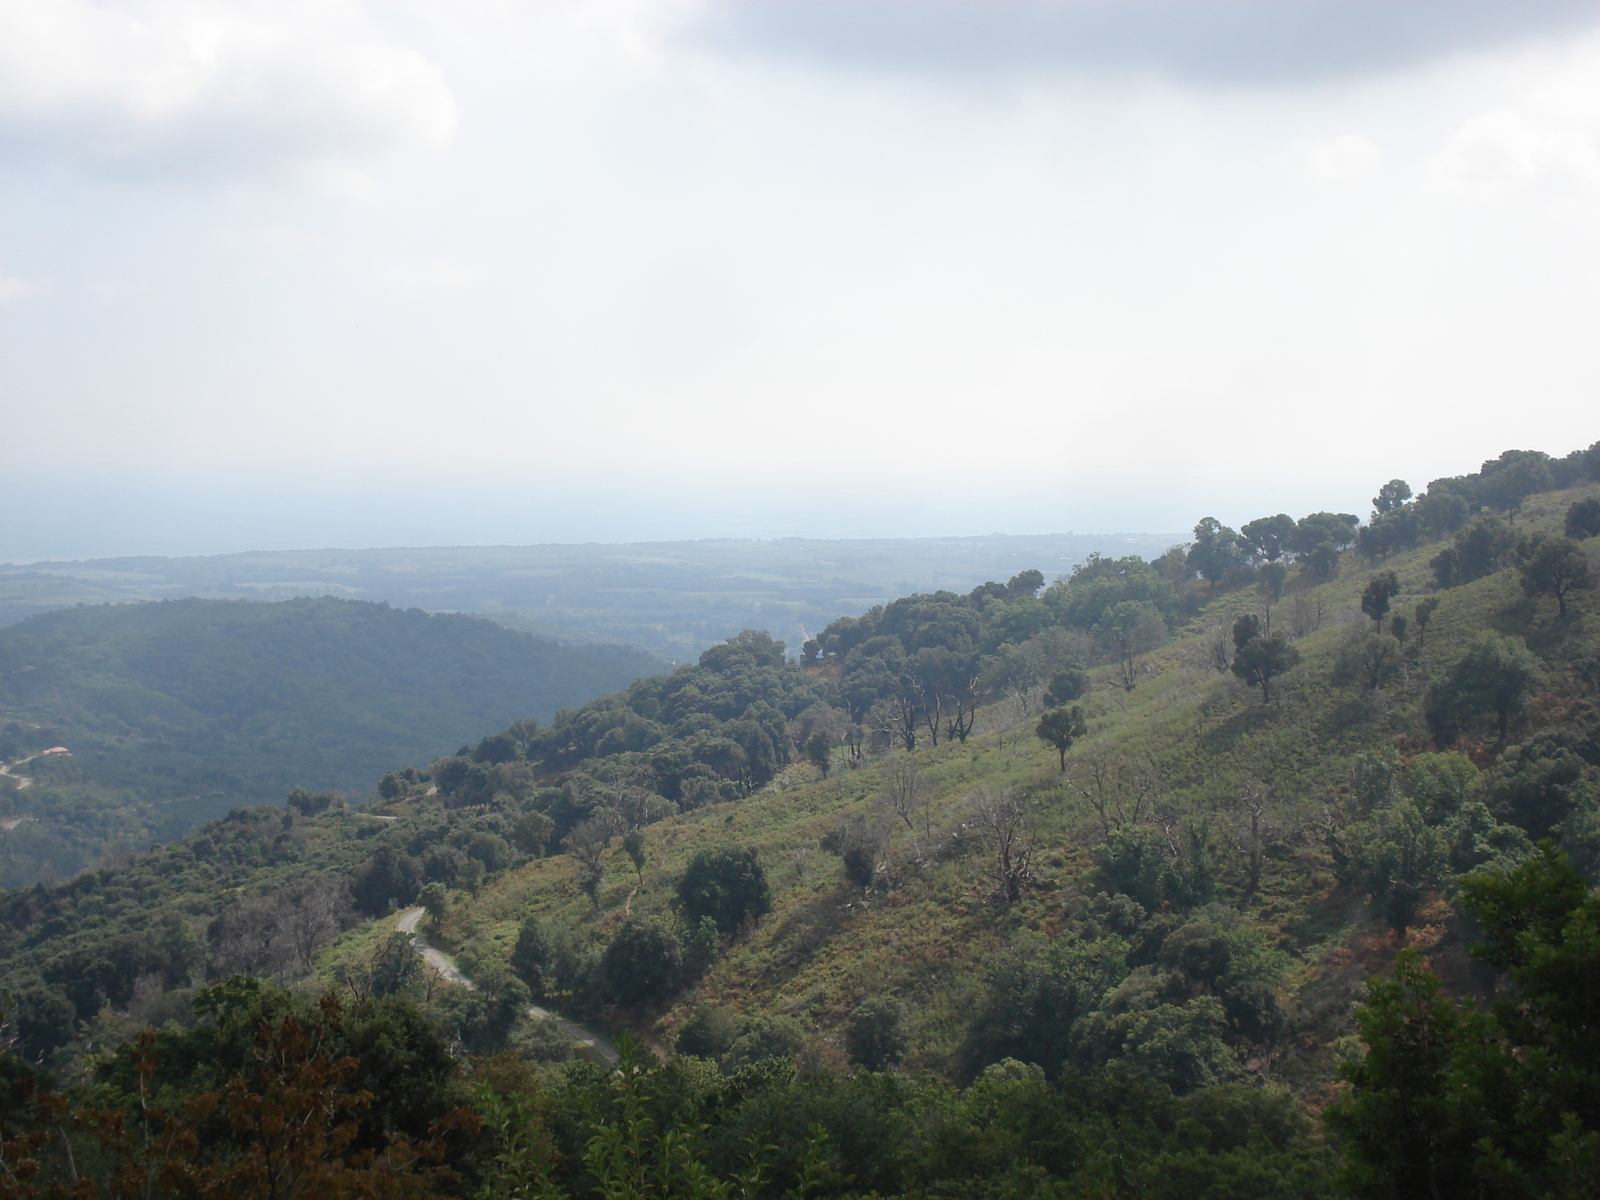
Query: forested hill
(176, 711)
(1159, 880)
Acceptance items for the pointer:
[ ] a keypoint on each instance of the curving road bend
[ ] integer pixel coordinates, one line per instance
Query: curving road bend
(588, 1043)
(22, 780)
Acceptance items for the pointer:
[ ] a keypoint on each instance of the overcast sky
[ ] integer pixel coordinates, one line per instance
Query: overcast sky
(333, 272)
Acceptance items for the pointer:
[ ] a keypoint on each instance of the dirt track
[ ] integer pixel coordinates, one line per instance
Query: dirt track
(587, 1042)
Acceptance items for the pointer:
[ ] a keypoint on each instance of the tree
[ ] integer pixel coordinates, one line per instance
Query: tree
(1452, 1101)
(1482, 548)
(1267, 538)
(727, 884)
(1555, 567)
(765, 1039)
(1391, 496)
(1381, 589)
(1583, 519)
(950, 694)
(532, 958)
(1214, 552)
(1129, 629)
(1373, 659)
(819, 750)
(1061, 727)
(710, 1032)
(641, 963)
(1517, 474)
(859, 843)
(1024, 584)
(1245, 630)
(278, 1099)
(436, 900)
(1338, 530)
(1397, 857)
(1262, 660)
(903, 790)
(1066, 686)
(1003, 816)
(1118, 796)
(531, 830)
(633, 844)
(875, 1034)
(1322, 560)
(1256, 832)
(1494, 674)
(1389, 533)
(587, 844)
(1422, 615)
(390, 877)
(1406, 1131)
(1271, 580)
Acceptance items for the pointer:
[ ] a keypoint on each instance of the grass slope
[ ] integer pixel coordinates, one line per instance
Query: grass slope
(931, 931)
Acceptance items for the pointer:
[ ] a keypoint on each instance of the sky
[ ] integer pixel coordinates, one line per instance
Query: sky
(294, 273)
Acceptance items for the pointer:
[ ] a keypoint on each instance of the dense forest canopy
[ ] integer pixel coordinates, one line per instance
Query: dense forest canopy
(1066, 887)
(176, 711)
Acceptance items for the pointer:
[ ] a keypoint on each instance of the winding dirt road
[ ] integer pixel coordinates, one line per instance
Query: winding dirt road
(589, 1044)
(22, 780)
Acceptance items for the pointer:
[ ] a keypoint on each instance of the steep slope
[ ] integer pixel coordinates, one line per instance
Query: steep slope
(1323, 795)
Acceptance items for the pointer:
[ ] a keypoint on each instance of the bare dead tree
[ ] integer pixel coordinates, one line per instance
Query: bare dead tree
(1307, 613)
(895, 718)
(855, 746)
(587, 844)
(962, 704)
(933, 706)
(317, 914)
(1255, 830)
(1119, 795)
(902, 788)
(1003, 817)
(246, 938)
(280, 934)
(1218, 648)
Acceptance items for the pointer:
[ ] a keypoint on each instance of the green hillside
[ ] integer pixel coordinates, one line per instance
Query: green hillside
(176, 711)
(1068, 890)
(1333, 771)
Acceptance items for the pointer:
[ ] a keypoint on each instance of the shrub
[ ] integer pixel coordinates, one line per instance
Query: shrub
(875, 1034)
(727, 884)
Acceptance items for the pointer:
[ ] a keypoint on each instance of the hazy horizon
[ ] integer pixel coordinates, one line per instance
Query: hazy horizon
(110, 515)
(110, 519)
(291, 274)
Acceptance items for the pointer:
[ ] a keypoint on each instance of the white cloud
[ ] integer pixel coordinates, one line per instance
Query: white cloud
(1546, 131)
(440, 275)
(14, 291)
(1346, 159)
(212, 86)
